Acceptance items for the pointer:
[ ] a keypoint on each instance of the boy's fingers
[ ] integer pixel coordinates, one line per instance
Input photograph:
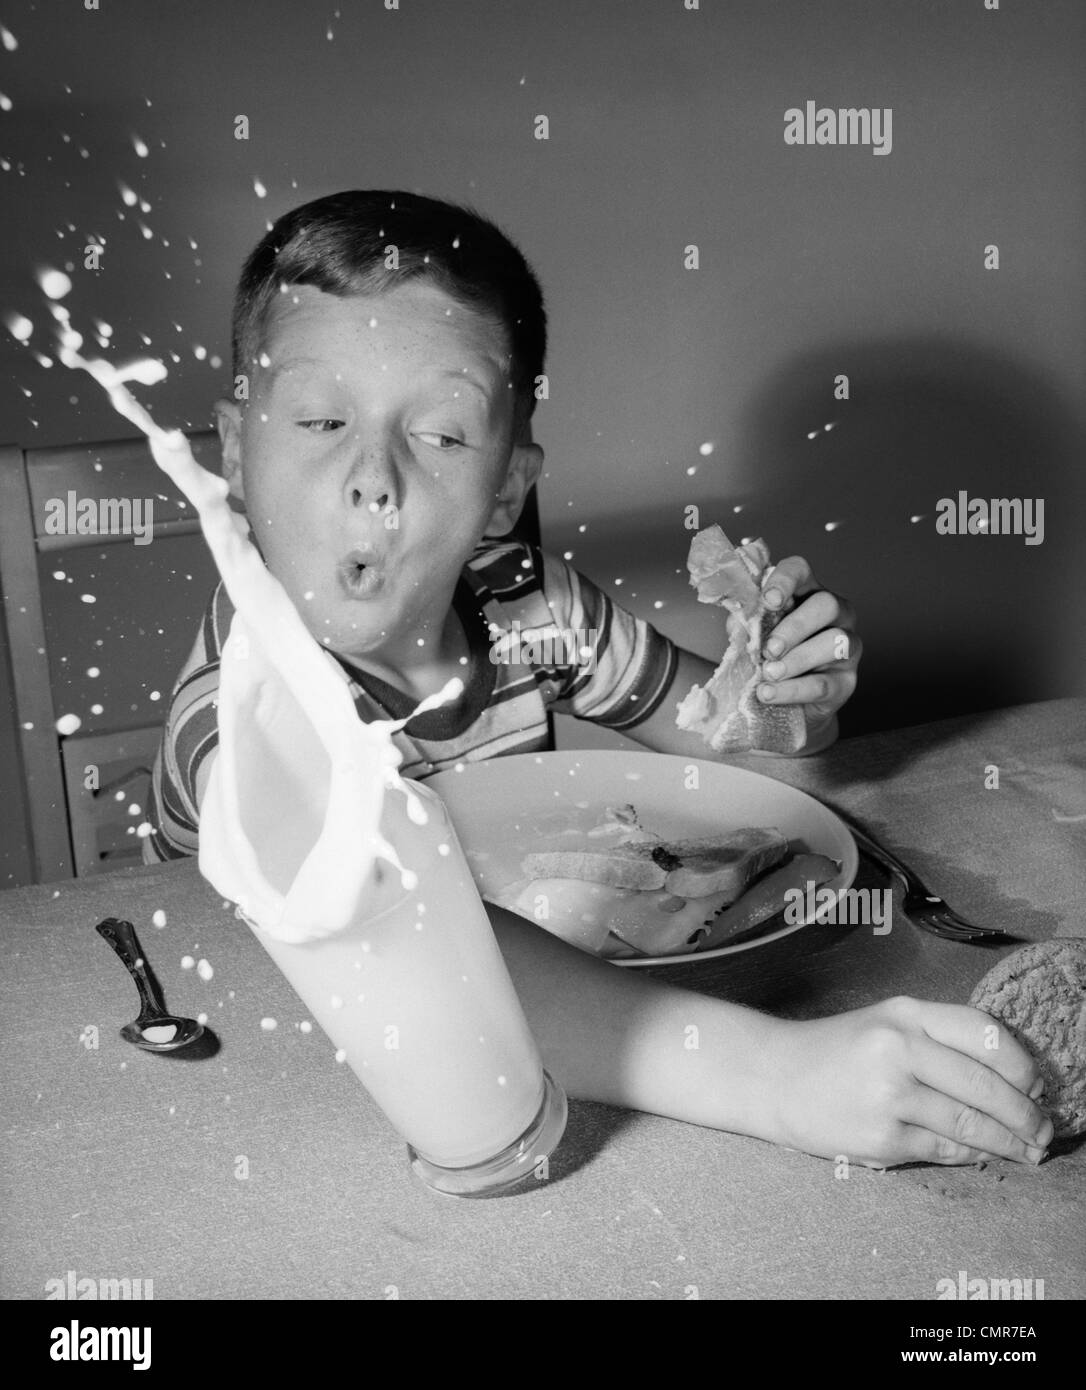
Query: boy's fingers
(953, 1126)
(981, 1037)
(826, 691)
(831, 650)
(977, 1090)
(820, 610)
(784, 580)
(924, 1146)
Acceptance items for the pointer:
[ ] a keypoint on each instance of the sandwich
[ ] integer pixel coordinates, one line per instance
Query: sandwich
(726, 711)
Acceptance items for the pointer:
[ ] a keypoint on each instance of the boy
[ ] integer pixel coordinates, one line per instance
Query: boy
(387, 346)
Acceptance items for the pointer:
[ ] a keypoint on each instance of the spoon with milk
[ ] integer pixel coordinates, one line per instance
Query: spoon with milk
(155, 1030)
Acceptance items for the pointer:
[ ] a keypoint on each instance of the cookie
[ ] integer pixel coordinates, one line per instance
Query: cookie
(1040, 992)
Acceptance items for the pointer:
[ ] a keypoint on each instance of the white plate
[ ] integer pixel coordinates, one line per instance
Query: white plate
(504, 808)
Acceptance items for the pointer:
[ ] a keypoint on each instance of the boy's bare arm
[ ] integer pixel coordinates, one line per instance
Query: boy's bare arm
(616, 1036)
(900, 1081)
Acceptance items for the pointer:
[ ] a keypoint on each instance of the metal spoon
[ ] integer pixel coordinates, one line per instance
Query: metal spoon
(122, 937)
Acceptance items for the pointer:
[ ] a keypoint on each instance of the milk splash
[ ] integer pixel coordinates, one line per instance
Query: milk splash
(308, 687)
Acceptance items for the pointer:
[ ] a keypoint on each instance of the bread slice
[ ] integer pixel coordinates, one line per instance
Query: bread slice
(616, 866)
(726, 711)
(727, 866)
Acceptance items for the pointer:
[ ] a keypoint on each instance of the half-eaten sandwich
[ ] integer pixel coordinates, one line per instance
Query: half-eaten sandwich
(726, 711)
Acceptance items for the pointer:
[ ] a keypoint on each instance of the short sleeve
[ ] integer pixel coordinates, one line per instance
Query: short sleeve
(622, 667)
(190, 735)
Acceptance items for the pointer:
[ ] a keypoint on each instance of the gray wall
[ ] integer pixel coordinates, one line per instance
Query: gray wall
(665, 129)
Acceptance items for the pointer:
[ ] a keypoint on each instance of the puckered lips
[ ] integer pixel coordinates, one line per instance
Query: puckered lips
(361, 571)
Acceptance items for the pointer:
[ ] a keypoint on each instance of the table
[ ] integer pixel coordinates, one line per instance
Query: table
(265, 1171)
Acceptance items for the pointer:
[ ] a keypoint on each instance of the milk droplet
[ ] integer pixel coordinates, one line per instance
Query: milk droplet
(915, 519)
(268, 1024)
(832, 525)
(67, 724)
(134, 810)
(55, 284)
(306, 1026)
(204, 970)
(8, 39)
(155, 695)
(812, 434)
(88, 598)
(139, 146)
(341, 1055)
(201, 1018)
(158, 917)
(705, 449)
(148, 371)
(259, 189)
(19, 326)
(93, 672)
(97, 709)
(6, 102)
(187, 962)
(144, 829)
(128, 197)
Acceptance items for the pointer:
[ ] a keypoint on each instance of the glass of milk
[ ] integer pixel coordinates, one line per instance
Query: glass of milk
(415, 996)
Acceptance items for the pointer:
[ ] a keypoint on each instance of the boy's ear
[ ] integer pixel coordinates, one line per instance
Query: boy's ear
(525, 466)
(228, 423)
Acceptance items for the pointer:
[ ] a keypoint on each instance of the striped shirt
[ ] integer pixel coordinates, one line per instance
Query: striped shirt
(589, 658)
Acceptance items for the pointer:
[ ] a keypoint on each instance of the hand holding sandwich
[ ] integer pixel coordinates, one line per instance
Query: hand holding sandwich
(813, 652)
(787, 669)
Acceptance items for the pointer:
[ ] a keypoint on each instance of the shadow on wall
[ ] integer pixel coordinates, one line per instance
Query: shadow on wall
(951, 623)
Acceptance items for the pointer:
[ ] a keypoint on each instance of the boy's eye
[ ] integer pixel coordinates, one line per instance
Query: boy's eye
(321, 426)
(444, 440)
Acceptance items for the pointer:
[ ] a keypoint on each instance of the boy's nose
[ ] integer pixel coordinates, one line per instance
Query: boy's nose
(376, 504)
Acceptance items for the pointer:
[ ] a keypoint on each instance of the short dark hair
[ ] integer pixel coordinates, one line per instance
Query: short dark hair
(338, 244)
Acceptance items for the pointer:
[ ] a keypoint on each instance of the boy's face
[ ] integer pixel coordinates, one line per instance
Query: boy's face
(379, 431)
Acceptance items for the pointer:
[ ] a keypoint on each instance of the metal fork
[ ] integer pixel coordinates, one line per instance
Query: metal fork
(923, 907)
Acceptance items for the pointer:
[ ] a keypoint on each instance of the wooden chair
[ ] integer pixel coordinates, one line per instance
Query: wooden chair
(85, 789)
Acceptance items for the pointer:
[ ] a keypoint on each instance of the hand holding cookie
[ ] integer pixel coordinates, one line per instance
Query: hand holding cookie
(908, 1081)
